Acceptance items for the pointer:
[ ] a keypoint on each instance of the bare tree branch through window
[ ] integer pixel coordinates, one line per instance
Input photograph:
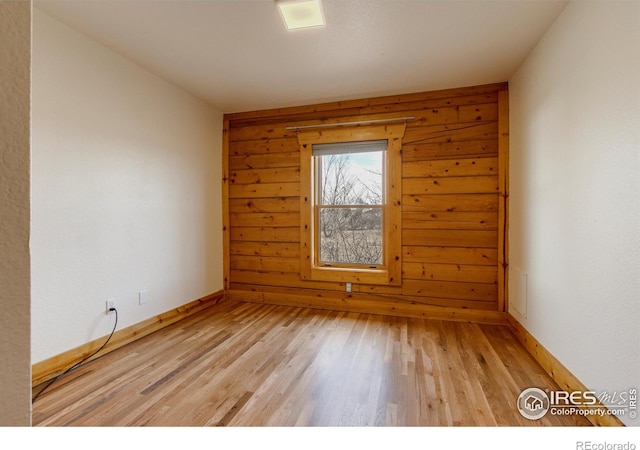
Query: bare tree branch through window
(350, 207)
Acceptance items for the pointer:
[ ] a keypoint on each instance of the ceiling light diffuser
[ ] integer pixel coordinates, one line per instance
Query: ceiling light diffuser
(301, 13)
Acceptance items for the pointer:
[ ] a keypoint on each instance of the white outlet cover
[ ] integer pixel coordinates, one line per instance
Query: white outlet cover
(143, 297)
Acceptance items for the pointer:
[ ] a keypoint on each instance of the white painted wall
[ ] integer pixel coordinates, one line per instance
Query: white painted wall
(575, 192)
(125, 191)
(15, 67)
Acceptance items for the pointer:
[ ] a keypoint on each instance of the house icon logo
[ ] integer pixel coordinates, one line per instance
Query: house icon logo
(533, 403)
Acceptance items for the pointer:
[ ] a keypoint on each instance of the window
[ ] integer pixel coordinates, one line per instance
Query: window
(350, 204)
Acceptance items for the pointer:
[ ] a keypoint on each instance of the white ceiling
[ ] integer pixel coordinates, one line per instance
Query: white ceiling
(238, 56)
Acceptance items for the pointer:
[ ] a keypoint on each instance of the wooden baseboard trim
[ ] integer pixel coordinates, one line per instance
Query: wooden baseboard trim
(365, 303)
(47, 369)
(555, 369)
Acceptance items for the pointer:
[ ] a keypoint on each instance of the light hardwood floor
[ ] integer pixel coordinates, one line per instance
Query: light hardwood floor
(244, 364)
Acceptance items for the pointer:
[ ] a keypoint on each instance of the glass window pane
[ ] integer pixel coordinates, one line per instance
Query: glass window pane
(350, 179)
(351, 235)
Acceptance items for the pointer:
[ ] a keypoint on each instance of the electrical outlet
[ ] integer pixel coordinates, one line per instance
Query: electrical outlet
(142, 297)
(348, 287)
(111, 303)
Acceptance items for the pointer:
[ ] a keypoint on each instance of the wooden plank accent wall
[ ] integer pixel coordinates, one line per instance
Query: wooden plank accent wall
(454, 216)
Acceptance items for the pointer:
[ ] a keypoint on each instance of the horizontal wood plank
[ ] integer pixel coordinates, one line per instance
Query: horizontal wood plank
(449, 202)
(450, 150)
(264, 205)
(288, 219)
(450, 185)
(264, 161)
(479, 113)
(446, 289)
(372, 304)
(264, 190)
(265, 234)
(265, 249)
(452, 133)
(450, 272)
(261, 132)
(280, 280)
(433, 116)
(450, 255)
(450, 168)
(376, 296)
(450, 238)
(277, 175)
(446, 220)
(463, 100)
(265, 264)
(263, 146)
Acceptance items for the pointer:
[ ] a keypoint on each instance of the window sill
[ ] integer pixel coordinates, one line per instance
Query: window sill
(348, 275)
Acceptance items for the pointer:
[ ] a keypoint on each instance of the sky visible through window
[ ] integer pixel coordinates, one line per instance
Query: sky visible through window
(368, 168)
(352, 178)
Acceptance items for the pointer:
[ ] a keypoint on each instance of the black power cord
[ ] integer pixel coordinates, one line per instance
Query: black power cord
(79, 363)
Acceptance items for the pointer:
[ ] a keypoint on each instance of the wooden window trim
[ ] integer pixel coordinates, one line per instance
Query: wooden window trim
(391, 270)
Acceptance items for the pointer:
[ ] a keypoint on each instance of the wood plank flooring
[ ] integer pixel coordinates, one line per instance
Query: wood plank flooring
(244, 364)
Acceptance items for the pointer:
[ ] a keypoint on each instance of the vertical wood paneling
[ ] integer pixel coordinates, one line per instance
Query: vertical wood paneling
(226, 240)
(503, 206)
(454, 197)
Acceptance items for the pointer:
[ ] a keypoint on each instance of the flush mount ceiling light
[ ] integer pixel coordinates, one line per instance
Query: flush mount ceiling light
(301, 13)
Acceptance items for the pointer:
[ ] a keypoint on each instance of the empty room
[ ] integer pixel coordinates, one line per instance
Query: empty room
(320, 214)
